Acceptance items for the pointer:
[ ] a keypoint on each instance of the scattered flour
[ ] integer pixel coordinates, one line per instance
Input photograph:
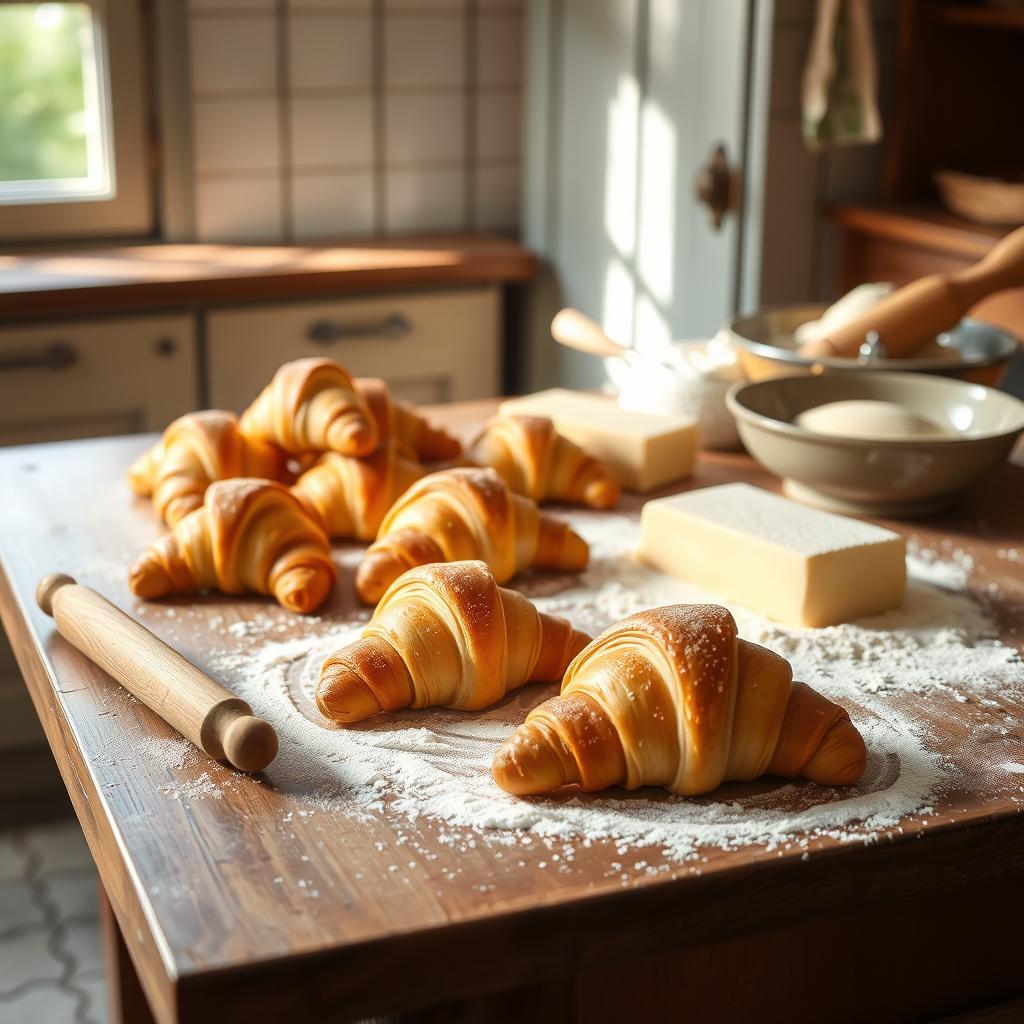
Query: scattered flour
(435, 764)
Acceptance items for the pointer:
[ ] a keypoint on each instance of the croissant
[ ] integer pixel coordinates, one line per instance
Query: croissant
(195, 450)
(397, 421)
(535, 460)
(248, 535)
(350, 497)
(311, 405)
(466, 513)
(445, 635)
(671, 697)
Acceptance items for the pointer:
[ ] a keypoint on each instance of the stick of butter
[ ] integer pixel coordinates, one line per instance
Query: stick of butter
(642, 450)
(792, 563)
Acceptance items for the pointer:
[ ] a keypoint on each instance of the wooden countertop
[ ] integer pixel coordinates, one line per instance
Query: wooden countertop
(205, 888)
(83, 281)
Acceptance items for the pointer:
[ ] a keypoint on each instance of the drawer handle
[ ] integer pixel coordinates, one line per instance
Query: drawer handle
(58, 356)
(326, 332)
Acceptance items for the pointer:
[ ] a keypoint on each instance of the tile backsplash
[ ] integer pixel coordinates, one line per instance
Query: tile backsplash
(331, 118)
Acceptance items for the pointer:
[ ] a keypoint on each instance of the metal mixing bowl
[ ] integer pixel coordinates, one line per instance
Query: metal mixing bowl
(974, 350)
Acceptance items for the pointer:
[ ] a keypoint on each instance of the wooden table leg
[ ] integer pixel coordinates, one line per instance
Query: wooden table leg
(126, 1002)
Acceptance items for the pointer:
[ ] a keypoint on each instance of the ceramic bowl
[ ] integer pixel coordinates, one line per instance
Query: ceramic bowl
(887, 478)
(973, 350)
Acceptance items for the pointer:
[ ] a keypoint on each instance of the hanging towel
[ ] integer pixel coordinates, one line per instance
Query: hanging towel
(840, 91)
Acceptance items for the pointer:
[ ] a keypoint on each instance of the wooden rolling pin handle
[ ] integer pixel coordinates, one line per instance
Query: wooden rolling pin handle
(912, 316)
(189, 700)
(576, 330)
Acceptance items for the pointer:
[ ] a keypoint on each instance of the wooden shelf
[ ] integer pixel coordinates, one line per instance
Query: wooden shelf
(930, 227)
(983, 17)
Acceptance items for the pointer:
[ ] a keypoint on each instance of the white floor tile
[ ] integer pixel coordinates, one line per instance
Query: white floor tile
(18, 907)
(82, 941)
(26, 957)
(60, 847)
(12, 860)
(74, 895)
(48, 1004)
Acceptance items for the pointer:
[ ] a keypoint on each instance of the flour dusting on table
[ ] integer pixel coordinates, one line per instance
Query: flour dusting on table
(435, 763)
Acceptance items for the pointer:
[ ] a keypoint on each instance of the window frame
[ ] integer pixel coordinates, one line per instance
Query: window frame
(130, 211)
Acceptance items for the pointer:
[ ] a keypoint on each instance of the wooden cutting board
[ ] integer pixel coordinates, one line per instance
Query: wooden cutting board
(204, 879)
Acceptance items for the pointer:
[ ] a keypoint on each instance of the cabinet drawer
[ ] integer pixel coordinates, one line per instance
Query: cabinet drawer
(437, 347)
(89, 378)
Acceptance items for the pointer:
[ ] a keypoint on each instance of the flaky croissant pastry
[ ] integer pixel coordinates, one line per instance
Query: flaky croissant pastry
(671, 697)
(349, 496)
(466, 513)
(535, 460)
(248, 536)
(445, 635)
(195, 450)
(312, 405)
(399, 422)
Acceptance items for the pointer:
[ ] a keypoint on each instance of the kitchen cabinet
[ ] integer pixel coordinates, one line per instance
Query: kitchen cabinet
(87, 378)
(431, 347)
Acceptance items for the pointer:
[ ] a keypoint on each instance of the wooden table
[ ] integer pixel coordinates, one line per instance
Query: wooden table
(921, 925)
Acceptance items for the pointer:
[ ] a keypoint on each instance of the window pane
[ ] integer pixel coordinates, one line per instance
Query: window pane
(53, 132)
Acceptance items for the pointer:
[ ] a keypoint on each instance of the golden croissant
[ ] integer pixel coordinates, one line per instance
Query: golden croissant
(350, 497)
(466, 513)
(312, 405)
(672, 697)
(248, 536)
(445, 635)
(535, 460)
(195, 450)
(398, 422)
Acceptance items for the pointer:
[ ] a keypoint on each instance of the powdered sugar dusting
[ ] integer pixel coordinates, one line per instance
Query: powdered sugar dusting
(433, 765)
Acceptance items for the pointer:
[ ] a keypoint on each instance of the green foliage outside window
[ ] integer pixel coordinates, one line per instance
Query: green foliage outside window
(43, 118)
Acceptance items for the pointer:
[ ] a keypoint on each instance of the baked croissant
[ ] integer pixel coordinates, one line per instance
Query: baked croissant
(445, 635)
(350, 497)
(671, 697)
(466, 513)
(399, 422)
(312, 405)
(249, 535)
(535, 460)
(195, 450)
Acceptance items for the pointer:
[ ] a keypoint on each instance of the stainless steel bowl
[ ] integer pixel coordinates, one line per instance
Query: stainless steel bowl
(974, 350)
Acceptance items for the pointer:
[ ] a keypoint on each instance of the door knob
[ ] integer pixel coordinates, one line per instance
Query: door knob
(716, 186)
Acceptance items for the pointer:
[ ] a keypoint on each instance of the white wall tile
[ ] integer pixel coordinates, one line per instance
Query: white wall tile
(332, 205)
(331, 131)
(499, 53)
(424, 51)
(499, 127)
(347, 6)
(329, 52)
(497, 198)
(238, 210)
(425, 200)
(231, 5)
(235, 135)
(233, 53)
(424, 128)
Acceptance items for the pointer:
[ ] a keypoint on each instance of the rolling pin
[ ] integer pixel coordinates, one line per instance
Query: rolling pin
(914, 315)
(189, 700)
(576, 330)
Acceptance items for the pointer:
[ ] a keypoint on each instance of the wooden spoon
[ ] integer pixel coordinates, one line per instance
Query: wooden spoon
(914, 315)
(576, 330)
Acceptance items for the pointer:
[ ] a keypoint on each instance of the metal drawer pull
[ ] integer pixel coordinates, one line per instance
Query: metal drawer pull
(58, 356)
(325, 332)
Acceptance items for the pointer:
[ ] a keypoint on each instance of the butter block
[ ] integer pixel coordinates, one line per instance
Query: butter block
(791, 563)
(644, 451)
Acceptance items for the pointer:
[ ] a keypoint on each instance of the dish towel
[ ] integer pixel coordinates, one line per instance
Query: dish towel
(840, 89)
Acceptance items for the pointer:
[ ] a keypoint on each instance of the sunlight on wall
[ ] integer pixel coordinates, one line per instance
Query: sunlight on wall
(655, 257)
(618, 297)
(620, 166)
(652, 331)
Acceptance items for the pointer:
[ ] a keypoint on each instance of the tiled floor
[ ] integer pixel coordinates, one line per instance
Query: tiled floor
(51, 956)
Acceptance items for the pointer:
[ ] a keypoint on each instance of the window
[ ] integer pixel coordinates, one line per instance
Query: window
(72, 120)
